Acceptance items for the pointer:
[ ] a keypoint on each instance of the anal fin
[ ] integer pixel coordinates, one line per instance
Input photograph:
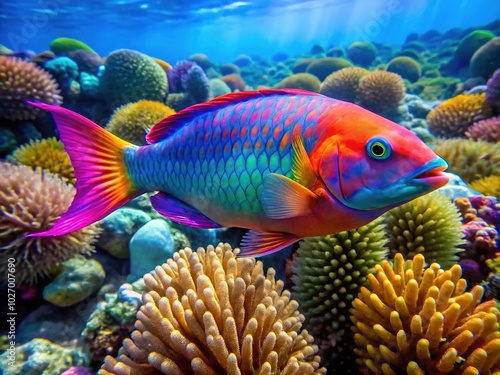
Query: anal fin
(257, 243)
(180, 212)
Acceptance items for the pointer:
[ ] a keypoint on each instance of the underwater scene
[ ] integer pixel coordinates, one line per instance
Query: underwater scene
(249, 187)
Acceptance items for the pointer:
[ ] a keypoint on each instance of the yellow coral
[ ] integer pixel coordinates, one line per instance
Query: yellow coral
(132, 121)
(381, 91)
(423, 322)
(210, 313)
(487, 186)
(47, 154)
(343, 84)
(453, 117)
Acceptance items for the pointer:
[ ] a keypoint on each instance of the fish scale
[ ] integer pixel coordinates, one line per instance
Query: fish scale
(223, 155)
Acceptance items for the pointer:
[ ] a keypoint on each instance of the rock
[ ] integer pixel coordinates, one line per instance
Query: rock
(150, 246)
(118, 229)
(457, 188)
(40, 357)
(416, 106)
(79, 278)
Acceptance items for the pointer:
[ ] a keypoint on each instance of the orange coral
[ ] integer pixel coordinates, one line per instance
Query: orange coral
(20, 81)
(234, 81)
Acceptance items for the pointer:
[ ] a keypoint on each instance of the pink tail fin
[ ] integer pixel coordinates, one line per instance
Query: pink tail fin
(102, 180)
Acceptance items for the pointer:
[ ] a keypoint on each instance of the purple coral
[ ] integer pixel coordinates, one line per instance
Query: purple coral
(77, 371)
(177, 76)
(87, 61)
(485, 130)
(488, 208)
(493, 90)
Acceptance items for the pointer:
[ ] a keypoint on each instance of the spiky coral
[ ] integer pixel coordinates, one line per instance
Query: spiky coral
(47, 154)
(132, 121)
(381, 91)
(327, 274)
(452, 117)
(429, 225)
(343, 84)
(21, 81)
(485, 130)
(210, 313)
(470, 159)
(419, 322)
(487, 186)
(31, 201)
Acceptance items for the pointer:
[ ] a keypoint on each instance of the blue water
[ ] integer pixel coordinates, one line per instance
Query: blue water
(222, 29)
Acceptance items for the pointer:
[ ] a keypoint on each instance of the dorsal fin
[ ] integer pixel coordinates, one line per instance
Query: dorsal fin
(171, 124)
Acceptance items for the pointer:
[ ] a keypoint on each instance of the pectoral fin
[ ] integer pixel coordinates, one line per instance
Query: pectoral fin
(256, 243)
(302, 168)
(283, 198)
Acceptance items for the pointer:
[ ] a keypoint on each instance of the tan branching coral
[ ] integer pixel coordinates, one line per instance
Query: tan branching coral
(210, 313)
(423, 322)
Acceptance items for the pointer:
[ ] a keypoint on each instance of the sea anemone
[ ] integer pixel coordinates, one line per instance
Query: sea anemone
(30, 202)
(303, 81)
(323, 67)
(422, 322)
(429, 225)
(133, 121)
(406, 67)
(48, 154)
(327, 274)
(485, 130)
(487, 186)
(470, 159)
(343, 84)
(21, 81)
(381, 91)
(452, 117)
(208, 312)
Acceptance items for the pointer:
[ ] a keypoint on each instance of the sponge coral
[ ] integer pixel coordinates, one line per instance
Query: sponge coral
(452, 117)
(343, 84)
(63, 46)
(304, 81)
(406, 67)
(210, 313)
(470, 159)
(131, 76)
(21, 81)
(416, 322)
(47, 154)
(485, 130)
(381, 91)
(32, 201)
(429, 225)
(132, 121)
(327, 274)
(322, 68)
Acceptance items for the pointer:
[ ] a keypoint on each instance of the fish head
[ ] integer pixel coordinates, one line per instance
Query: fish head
(374, 163)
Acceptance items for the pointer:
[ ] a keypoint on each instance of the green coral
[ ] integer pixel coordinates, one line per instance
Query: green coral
(130, 76)
(323, 67)
(433, 88)
(304, 81)
(486, 59)
(430, 225)
(327, 275)
(406, 67)
(470, 44)
(362, 53)
(63, 46)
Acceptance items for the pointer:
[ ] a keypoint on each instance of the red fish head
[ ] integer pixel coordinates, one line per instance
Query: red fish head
(372, 163)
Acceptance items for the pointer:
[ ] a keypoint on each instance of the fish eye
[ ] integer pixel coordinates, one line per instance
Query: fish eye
(379, 148)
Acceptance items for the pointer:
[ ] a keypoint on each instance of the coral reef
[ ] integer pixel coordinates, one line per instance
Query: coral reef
(31, 201)
(21, 81)
(343, 84)
(485, 130)
(63, 69)
(429, 225)
(130, 76)
(304, 81)
(133, 121)
(327, 274)
(362, 53)
(208, 312)
(406, 67)
(323, 67)
(189, 82)
(63, 46)
(48, 154)
(470, 159)
(414, 321)
(486, 59)
(453, 117)
(381, 91)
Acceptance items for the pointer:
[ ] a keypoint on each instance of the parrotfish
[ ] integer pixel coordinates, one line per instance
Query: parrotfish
(285, 164)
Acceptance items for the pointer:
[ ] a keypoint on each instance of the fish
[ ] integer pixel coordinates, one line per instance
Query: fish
(284, 164)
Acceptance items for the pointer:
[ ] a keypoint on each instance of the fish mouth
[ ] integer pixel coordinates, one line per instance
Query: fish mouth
(430, 175)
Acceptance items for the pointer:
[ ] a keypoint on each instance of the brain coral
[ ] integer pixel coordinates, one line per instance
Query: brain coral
(362, 53)
(322, 68)
(208, 312)
(430, 225)
(423, 322)
(47, 154)
(32, 201)
(406, 67)
(343, 84)
(131, 76)
(485, 130)
(381, 91)
(470, 159)
(486, 59)
(327, 274)
(133, 121)
(304, 81)
(63, 46)
(20, 81)
(452, 117)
